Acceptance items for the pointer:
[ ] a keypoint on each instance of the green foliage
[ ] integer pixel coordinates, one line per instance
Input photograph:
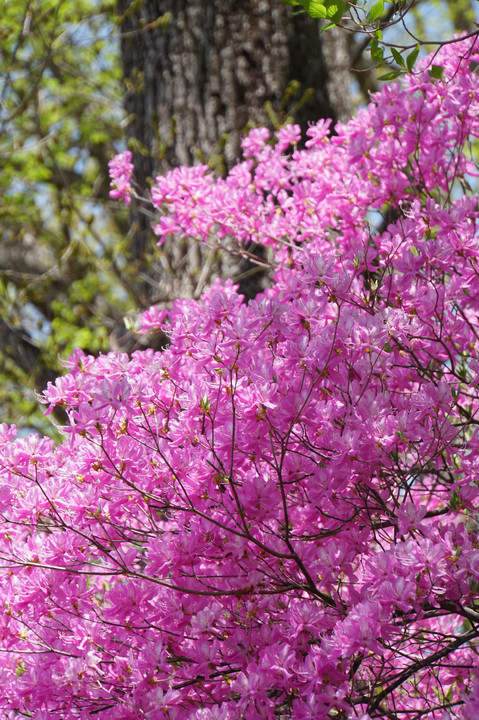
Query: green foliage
(412, 57)
(331, 10)
(391, 28)
(377, 52)
(376, 11)
(436, 72)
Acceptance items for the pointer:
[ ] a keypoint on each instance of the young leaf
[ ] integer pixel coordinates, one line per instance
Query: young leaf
(412, 57)
(376, 11)
(335, 10)
(315, 8)
(436, 72)
(398, 57)
(391, 75)
(377, 52)
(328, 26)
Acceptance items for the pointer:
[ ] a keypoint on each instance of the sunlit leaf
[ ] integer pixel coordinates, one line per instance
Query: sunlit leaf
(315, 8)
(376, 11)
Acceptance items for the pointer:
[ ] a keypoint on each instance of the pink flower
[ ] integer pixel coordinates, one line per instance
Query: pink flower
(121, 169)
(255, 141)
(275, 515)
(318, 132)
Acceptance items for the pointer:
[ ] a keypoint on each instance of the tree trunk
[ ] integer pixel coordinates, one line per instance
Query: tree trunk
(199, 72)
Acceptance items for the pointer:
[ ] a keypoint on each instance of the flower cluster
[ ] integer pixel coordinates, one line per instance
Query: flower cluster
(274, 516)
(121, 170)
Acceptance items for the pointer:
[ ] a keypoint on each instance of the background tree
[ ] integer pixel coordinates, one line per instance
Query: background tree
(199, 74)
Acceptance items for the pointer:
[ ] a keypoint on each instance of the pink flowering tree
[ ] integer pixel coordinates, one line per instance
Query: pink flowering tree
(276, 516)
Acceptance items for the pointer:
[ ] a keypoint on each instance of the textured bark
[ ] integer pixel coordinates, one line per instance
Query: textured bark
(197, 83)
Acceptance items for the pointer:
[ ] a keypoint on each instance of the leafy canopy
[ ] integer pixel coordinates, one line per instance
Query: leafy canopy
(393, 30)
(63, 282)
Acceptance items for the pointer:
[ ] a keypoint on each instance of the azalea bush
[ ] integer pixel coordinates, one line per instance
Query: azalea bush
(275, 516)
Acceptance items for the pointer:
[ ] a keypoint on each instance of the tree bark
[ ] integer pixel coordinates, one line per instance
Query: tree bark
(199, 72)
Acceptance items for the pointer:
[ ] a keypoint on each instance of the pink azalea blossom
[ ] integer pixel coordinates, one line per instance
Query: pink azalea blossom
(276, 515)
(121, 170)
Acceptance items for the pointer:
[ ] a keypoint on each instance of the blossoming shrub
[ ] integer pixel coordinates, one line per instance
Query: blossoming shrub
(274, 517)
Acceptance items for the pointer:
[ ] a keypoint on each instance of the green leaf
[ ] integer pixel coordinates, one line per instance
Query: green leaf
(335, 10)
(436, 72)
(376, 11)
(328, 26)
(391, 75)
(377, 52)
(398, 58)
(412, 57)
(315, 8)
